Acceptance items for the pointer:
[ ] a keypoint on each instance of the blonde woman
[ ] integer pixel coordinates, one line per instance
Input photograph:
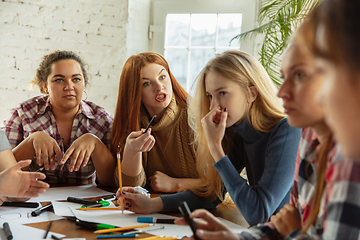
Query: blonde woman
(238, 123)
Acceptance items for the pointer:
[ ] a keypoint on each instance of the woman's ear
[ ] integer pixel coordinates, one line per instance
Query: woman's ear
(45, 88)
(253, 93)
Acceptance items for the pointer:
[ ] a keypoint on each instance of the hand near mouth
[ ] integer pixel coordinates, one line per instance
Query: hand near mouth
(214, 125)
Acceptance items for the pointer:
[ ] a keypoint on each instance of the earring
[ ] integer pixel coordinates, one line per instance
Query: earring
(85, 95)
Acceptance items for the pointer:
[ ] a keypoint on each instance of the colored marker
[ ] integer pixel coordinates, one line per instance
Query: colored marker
(155, 220)
(121, 229)
(116, 236)
(100, 204)
(37, 212)
(93, 226)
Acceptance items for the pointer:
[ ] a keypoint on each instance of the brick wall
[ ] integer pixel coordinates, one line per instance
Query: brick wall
(103, 32)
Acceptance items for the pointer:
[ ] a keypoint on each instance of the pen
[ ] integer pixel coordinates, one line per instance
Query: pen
(93, 226)
(81, 200)
(7, 230)
(37, 212)
(39, 170)
(120, 182)
(116, 236)
(148, 126)
(20, 204)
(99, 208)
(62, 166)
(155, 220)
(54, 237)
(47, 230)
(100, 204)
(121, 229)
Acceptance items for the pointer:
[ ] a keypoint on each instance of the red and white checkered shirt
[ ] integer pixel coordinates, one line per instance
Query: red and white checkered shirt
(35, 115)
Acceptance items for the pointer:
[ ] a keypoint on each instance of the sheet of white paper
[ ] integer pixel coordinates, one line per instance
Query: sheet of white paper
(21, 232)
(130, 219)
(23, 216)
(62, 193)
(63, 208)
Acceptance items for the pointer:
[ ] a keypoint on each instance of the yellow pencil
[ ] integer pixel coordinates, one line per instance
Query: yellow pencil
(120, 182)
(98, 208)
(121, 229)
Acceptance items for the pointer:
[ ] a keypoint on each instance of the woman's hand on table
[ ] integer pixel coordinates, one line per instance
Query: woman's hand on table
(210, 228)
(45, 147)
(160, 182)
(137, 202)
(80, 151)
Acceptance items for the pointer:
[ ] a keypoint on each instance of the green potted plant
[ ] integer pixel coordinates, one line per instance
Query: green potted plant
(277, 19)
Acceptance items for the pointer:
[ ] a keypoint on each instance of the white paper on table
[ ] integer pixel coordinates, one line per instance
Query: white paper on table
(21, 232)
(62, 193)
(116, 218)
(23, 215)
(63, 208)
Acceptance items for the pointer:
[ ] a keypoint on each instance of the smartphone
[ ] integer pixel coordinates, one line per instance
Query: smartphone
(185, 212)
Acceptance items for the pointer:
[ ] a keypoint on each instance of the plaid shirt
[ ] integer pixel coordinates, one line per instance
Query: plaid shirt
(338, 216)
(35, 115)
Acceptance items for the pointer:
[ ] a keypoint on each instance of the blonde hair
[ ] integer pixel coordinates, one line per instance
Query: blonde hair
(263, 114)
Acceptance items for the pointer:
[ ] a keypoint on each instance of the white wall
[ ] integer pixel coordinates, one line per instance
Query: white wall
(103, 32)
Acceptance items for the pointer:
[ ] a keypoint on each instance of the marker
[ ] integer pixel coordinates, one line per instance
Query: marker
(155, 220)
(116, 236)
(121, 229)
(148, 126)
(100, 204)
(93, 226)
(81, 200)
(7, 230)
(47, 230)
(37, 212)
(20, 204)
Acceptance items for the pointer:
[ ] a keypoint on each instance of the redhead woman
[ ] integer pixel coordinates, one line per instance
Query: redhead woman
(164, 156)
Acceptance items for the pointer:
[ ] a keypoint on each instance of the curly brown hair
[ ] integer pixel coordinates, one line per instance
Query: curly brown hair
(44, 68)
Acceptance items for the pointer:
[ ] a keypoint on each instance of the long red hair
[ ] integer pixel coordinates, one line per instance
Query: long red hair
(128, 105)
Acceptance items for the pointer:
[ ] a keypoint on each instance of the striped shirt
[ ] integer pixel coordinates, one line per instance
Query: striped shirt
(339, 213)
(35, 115)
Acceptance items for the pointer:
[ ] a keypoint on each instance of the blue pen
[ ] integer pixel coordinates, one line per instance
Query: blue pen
(116, 236)
(155, 220)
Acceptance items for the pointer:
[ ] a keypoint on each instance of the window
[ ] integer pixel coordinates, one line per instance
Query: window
(189, 33)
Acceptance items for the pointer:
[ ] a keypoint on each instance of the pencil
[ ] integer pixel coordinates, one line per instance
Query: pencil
(98, 208)
(148, 126)
(121, 229)
(120, 182)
